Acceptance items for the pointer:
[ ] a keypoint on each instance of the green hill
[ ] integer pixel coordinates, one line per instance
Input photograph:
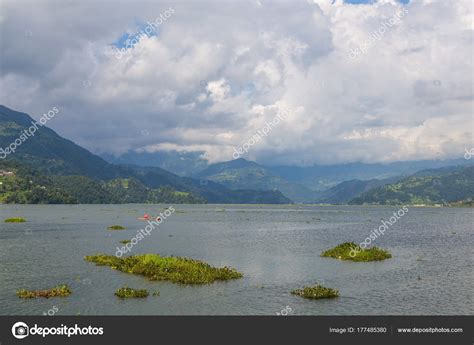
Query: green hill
(47, 151)
(453, 185)
(29, 186)
(243, 174)
(347, 190)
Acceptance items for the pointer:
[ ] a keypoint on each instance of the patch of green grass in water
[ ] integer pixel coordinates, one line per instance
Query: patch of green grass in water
(316, 292)
(116, 227)
(57, 291)
(351, 251)
(125, 241)
(175, 269)
(126, 292)
(15, 220)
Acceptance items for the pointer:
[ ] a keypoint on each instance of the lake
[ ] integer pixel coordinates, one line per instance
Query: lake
(277, 248)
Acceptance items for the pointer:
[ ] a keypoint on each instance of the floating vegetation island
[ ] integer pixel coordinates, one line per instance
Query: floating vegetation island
(351, 251)
(57, 291)
(15, 220)
(126, 292)
(316, 292)
(125, 241)
(116, 227)
(174, 269)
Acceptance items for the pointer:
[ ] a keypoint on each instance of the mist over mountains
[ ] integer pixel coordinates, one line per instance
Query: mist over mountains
(47, 159)
(63, 172)
(313, 184)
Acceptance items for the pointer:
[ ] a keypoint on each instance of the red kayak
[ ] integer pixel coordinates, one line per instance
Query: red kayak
(147, 217)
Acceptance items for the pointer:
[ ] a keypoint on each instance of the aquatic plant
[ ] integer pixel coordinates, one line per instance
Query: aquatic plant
(156, 293)
(316, 292)
(15, 220)
(126, 292)
(175, 269)
(125, 241)
(116, 227)
(351, 251)
(57, 291)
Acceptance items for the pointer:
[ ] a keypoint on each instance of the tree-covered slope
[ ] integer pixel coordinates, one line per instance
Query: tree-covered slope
(436, 186)
(47, 151)
(348, 190)
(28, 186)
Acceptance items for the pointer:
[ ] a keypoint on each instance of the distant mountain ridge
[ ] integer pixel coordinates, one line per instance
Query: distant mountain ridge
(179, 163)
(315, 177)
(313, 184)
(348, 190)
(240, 173)
(323, 177)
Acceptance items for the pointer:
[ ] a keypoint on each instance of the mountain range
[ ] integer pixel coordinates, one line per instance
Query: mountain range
(50, 158)
(63, 172)
(333, 184)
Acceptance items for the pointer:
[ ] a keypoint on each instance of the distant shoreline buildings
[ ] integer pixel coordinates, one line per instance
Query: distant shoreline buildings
(6, 173)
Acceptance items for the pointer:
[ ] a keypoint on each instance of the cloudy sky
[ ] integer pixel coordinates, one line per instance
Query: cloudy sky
(373, 82)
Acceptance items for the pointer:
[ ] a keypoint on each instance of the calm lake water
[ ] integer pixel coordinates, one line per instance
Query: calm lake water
(276, 247)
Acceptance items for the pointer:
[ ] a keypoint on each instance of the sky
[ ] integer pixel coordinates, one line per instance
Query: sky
(368, 81)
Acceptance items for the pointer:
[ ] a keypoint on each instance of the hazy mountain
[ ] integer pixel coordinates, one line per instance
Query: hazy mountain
(180, 163)
(348, 190)
(211, 191)
(322, 177)
(243, 174)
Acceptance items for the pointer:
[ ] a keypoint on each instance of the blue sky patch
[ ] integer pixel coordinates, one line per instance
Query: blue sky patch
(122, 41)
